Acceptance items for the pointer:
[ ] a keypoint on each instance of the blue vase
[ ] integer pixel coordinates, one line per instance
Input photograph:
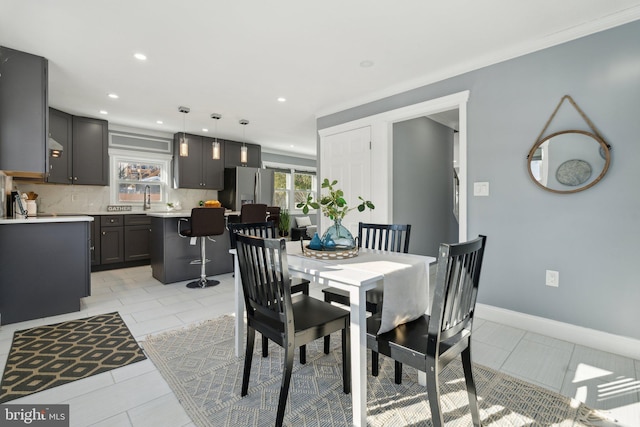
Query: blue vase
(315, 243)
(340, 236)
(328, 244)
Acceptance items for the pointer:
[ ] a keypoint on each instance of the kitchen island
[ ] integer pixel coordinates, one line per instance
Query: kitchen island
(45, 265)
(171, 254)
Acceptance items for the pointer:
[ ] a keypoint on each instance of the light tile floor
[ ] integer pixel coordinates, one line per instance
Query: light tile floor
(137, 395)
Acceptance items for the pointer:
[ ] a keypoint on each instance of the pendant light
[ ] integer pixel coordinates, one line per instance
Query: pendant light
(184, 142)
(244, 157)
(215, 145)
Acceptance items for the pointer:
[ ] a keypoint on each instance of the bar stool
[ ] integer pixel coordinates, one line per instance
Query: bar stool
(204, 223)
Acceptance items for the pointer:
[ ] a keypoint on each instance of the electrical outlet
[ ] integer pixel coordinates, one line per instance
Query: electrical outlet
(480, 188)
(553, 278)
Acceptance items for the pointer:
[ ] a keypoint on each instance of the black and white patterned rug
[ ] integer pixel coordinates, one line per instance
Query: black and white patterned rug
(201, 368)
(52, 355)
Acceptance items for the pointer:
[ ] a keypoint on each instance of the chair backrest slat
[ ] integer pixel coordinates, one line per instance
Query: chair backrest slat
(264, 271)
(384, 237)
(456, 290)
(260, 229)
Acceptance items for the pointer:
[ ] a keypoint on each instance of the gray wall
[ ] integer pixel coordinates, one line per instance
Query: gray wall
(589, 237)
(423, 183)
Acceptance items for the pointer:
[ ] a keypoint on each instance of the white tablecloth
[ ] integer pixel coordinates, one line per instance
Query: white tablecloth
(405, 284)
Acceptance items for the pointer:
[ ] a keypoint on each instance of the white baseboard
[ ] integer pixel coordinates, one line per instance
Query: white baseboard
(604, 341)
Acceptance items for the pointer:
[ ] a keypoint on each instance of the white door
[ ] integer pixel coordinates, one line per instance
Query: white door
(346, 157)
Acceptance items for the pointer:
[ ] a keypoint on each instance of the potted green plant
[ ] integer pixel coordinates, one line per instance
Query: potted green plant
(285, 222)
(335, 207)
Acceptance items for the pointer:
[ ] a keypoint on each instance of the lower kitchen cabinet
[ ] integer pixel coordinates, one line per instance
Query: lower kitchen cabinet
(111, 239)
(123, 241)
(45, 269)
(137, 229)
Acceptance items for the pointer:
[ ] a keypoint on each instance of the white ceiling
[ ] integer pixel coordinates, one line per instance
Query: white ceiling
(237, 57)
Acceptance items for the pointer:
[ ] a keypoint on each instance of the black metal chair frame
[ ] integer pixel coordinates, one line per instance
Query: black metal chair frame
(267, 230)
(432, 341)
(203, 223)
(290, 322)
(386, 237)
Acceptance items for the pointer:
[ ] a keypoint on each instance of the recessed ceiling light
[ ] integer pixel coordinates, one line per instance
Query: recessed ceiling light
(159, 122)
(113, 95)
(366, 63)
(140, 56)
(292, 146)
(103, 112)
(205, 130)
(282, 99)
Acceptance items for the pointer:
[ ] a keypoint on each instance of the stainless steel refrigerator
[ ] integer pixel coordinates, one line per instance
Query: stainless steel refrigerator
(246, 185)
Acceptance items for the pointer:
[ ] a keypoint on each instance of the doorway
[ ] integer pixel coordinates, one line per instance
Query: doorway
(381, 152)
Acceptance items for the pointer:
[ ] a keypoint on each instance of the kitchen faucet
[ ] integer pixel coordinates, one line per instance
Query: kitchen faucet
(146, 198)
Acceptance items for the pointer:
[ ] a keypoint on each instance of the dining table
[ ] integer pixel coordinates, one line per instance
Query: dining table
(357, 275)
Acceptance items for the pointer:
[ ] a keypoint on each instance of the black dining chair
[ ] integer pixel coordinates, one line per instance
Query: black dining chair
(289, 321)
(430, 342)
(385, 237)
(267, 230)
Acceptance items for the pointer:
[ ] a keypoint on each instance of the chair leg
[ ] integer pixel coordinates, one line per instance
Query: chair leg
(433, 394)
(471, 387)
(327, 338)
(398, 372)
(265, 346)
(251, 337)
(375, 363)
(286, 380)
(303, 354)
(346, 359)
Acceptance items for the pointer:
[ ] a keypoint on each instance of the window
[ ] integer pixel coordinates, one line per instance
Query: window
(131, 173)
(291, 186)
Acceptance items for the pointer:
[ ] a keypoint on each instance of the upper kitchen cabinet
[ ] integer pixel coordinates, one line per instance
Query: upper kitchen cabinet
(90, 142)
(232, 155)
(23, 113)
(61, 131)
(84, 157)
(198, 170)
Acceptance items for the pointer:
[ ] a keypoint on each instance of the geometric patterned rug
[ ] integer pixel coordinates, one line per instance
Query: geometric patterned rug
(200, 366)
(52, 355)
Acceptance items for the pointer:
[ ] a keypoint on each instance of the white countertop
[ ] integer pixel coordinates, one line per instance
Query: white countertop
(46, 218)
(183, 214)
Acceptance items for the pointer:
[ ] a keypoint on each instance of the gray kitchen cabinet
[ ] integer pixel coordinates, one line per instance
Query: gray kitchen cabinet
(61, 130)
(48, 274)
(232, 155)
(111, 239)
(23, 113)
(120, 241)
(137, 231)
(90, 156)
(198, 170)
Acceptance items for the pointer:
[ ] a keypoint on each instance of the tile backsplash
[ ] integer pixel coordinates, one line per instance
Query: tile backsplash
(86, 199)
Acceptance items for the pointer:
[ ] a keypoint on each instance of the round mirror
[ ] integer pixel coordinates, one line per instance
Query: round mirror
(568, 161)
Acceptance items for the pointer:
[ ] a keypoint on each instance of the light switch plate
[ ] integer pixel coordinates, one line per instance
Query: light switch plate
(480, 188)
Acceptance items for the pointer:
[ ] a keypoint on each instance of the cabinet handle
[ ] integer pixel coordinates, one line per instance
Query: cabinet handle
(104, 233)
(75, 178)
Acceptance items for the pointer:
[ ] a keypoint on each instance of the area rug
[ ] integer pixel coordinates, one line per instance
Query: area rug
(52, 355)
(200, 366)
